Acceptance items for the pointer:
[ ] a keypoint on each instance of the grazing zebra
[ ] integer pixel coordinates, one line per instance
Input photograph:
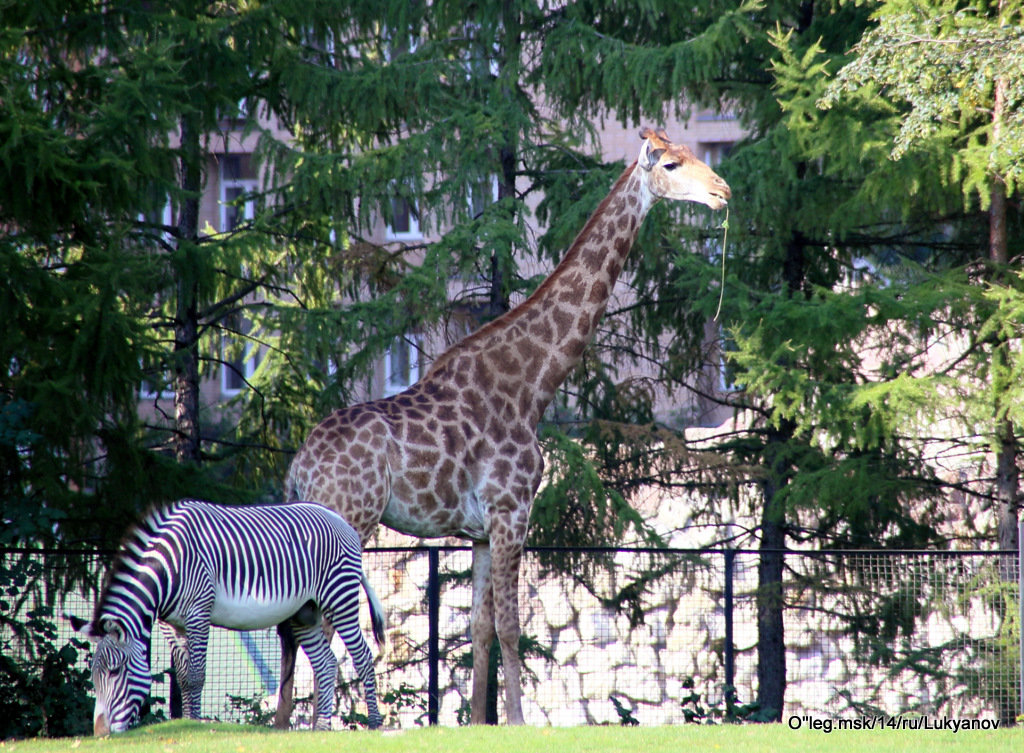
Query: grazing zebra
(194, 564)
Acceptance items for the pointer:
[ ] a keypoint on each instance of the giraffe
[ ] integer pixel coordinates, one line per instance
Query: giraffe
(457, 453)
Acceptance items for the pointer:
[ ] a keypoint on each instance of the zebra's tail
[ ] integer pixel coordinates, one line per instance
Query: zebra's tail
(376, 612)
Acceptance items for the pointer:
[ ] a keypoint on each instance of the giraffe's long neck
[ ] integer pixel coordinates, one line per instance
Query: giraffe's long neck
(529, 351)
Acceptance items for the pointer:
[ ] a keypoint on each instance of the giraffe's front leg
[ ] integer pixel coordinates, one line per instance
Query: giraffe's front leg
(482, 630)
(505, 584)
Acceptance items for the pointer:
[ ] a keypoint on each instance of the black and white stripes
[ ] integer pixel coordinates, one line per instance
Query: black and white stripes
(195, 564)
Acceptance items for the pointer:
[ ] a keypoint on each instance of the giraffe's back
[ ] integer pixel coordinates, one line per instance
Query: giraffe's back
(420, 462)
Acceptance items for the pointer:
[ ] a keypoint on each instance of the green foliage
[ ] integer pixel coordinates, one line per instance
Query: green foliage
(430, 101)
(938, 61)
(250, 709)
(733, 712)
(44, 691)
(885, 607)
(395, 700)
(47, 695)
(634, 60)
(575, 504)
(626, 718)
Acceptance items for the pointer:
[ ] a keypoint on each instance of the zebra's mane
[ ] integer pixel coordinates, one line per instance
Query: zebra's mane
(134, 542)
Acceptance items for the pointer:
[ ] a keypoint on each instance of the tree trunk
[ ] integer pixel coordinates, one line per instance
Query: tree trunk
(1005, 445)
(186, 317)
(771, 639)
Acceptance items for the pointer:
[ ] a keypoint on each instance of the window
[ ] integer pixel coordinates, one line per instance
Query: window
(236, 372)
(482, 195)
(394, 47)
(713, 152)
(482, 55)
(156, 227)
(159, 218)
(402, 364)
(405, 223)
(860, 272)
(712, 116)
(238, 364)
(160, 386)
(726, 368)
(237, 180)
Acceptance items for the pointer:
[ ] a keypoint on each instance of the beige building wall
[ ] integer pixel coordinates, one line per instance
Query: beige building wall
(231, 169)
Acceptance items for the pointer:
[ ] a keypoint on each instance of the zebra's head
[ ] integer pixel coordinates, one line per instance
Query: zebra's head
(120, 676)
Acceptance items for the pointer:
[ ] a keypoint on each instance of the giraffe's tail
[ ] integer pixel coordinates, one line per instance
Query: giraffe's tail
(290, 486)
(376, 612)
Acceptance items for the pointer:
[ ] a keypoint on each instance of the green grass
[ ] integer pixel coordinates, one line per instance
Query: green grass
(194, 737)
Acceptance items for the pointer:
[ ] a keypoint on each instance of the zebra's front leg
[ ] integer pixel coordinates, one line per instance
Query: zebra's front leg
(325, 672)
(188, 658)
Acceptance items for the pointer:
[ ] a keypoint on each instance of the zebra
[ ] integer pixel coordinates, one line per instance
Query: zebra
(193, 564)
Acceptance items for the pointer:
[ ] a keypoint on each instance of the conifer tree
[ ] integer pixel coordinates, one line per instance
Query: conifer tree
(860, 431)
(816, 201)
(114, 109)
(114, 113)
(954, 70)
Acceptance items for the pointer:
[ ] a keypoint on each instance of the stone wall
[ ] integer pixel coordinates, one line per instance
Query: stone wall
(950, 652)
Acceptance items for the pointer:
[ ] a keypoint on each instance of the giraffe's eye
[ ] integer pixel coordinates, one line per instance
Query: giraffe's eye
(670, 166)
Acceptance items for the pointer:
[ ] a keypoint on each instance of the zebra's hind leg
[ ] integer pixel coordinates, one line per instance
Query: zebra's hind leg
(346, 622)
(325, 671)
(308, 615)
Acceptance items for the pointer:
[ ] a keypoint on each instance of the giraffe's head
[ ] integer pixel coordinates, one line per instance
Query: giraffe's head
(674, 172)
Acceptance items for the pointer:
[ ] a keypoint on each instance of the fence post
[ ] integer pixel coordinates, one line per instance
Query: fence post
(433, 635)
(729, 655)
(1020, 615)
(174, 692)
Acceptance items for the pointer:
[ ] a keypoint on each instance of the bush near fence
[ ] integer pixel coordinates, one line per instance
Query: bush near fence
(648, 636)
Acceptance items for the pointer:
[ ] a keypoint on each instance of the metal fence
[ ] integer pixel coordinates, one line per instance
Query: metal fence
(656, 636)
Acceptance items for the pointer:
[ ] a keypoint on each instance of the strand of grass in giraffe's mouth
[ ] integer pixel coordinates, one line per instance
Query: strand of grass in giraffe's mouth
(721, 287)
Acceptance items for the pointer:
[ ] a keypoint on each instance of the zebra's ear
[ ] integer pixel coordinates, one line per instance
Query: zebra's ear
(77, 623)
(113, 629)
(88, 629)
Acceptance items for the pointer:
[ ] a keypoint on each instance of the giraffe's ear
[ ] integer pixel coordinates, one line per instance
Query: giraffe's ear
(649, 156)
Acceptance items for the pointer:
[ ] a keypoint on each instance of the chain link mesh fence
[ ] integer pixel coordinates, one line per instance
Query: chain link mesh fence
(629, 635)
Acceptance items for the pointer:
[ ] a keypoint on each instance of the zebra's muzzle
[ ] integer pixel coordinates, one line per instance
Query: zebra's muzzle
(100, 728)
